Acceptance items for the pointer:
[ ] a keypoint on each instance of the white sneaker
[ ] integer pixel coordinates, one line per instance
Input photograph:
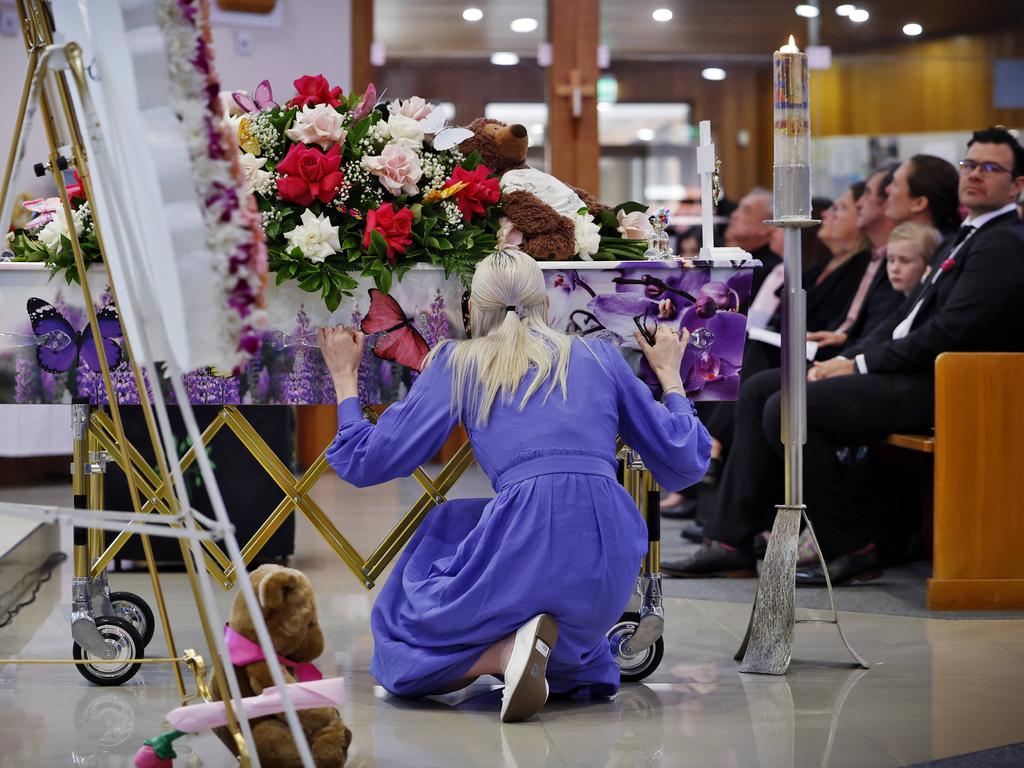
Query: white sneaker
(526, 689)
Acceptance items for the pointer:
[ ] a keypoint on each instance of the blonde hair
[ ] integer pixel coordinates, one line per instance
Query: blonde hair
(923, 237)
(507, 343)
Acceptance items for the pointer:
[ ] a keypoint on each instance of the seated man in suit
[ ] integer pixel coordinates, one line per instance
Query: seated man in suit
(971, 301)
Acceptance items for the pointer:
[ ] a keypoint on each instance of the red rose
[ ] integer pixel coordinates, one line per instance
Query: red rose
(395, 226)
(310, 174)
(479, 191)
(315, 90)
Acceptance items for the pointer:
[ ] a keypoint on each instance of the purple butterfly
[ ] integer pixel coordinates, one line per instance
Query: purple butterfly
(57, 356)
(264, 98)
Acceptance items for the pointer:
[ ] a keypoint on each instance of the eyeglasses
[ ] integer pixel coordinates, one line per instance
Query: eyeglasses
(969, 166)
(647, 324)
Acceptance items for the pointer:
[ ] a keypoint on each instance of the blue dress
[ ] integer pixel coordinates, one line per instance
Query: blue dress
(561, 536)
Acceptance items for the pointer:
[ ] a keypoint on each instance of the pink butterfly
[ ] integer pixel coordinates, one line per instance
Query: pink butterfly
(264, 98)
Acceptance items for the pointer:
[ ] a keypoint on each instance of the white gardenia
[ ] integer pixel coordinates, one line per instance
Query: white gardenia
(252, 167)
(50, 234)
(316, 237)
(405, 130)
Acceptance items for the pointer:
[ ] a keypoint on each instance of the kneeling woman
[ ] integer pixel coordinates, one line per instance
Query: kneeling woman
(488, 586)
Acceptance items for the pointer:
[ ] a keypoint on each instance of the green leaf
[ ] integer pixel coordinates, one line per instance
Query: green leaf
(378, 245)
(631, 206)
(474, 159)
(358, 132)
(311, 283)
(383, 281)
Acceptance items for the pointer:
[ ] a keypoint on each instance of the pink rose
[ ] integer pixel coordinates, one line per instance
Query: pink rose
(416, 108)
(397, 167)
(317, 125)
(634, 226)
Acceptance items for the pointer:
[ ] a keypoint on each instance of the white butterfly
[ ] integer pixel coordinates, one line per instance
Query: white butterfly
(444, 137)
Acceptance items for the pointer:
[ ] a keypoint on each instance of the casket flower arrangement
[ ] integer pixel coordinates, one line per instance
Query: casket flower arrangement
(346, 188)
(234, 232)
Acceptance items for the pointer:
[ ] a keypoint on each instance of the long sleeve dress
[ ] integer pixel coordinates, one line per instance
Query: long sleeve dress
(560, 537)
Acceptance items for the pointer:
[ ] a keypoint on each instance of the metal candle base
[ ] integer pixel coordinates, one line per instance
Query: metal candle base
(768, 645)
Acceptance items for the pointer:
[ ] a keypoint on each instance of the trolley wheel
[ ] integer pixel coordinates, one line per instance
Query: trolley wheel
(636, 667)
(136, 611)
(127, 645)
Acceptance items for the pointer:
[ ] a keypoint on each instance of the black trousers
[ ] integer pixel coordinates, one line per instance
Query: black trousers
(848, 410)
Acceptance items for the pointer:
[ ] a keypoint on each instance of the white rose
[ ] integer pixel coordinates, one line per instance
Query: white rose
(405, 130)
(252, 167)
(320, 125)
(316, 237)
(50, 234)
(588, 236)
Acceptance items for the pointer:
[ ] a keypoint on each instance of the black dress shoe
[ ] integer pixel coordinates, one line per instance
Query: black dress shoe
(712, 560)
(844, 569)
(694, 533)
(682, 511)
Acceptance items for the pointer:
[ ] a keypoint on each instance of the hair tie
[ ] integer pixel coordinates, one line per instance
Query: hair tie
(511, 309)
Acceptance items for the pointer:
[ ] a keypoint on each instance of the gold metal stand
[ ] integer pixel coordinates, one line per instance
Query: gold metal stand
(296, 496)
(36, 31)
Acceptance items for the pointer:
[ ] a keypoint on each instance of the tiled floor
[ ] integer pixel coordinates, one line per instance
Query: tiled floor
(937, 687)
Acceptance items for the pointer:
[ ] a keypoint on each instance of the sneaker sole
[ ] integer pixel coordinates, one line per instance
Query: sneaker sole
(530, 654)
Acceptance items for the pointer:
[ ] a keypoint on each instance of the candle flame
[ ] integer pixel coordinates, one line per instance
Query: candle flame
(790, 47)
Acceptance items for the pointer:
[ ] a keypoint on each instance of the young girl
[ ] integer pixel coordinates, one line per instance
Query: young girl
(907, 254)
(486, 586)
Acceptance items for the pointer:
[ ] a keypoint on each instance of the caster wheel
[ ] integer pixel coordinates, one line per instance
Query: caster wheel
(634, 667)
(136, 611)
(127, 645)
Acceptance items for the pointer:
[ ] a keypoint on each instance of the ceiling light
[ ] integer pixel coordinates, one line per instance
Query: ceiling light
(713, 73)
(472, 14)
(524, 25)
(912, 29)
(807, 11)
(859, 15)
(603, 106)
(504, 59)
(645, 134)
(662, 14)
(845, 9)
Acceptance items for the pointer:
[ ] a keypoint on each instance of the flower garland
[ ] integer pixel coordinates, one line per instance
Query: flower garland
(233, 223)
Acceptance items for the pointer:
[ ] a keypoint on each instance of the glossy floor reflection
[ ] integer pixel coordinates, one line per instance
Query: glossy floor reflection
(937, 687)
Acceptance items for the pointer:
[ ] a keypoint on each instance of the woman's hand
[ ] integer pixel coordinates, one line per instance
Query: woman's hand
(828, 338)
(342, 348)
(666, 355)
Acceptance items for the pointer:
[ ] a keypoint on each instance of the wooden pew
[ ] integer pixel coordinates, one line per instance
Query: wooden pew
(978, 446)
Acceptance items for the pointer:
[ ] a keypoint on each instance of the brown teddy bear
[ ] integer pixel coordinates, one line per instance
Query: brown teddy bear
(289, 610)
(557, 220)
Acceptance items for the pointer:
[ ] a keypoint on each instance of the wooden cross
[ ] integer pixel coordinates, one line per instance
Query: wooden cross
(576, 90)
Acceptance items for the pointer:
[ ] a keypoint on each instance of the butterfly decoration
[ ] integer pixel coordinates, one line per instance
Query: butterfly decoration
(366, 105)
(264, 98)
(444, 137)
(394, 336)
(63, 346)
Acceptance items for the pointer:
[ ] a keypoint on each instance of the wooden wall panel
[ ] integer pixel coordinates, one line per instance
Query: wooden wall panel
(940, 85)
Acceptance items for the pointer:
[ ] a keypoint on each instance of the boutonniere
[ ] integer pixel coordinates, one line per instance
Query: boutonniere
(947, 264)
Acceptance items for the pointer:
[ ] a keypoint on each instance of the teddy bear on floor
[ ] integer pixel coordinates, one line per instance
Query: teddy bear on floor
(289, 610)
(556, 220)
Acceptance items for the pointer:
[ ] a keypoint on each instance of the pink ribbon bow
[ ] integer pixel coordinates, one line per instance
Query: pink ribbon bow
(242, 651)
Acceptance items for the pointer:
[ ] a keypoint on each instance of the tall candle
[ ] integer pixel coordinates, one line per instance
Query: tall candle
(792, 127)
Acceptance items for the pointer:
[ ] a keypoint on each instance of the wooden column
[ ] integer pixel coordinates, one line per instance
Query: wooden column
(572, 143)
(362, 37)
